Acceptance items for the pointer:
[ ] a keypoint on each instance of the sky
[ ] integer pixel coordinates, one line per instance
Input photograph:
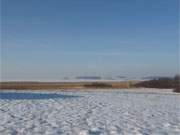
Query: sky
(52, 39)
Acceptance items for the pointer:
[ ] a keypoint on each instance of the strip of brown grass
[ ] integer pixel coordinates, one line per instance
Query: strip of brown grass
(65, 85)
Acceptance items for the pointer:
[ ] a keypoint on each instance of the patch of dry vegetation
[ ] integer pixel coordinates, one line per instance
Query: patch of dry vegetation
(177, 84)
(98, 85)
(165, 83)
(65, 85)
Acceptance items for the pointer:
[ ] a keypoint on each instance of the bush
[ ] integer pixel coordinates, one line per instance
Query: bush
(98, 85)
(165, 83)
(177, 83)
(177, 90)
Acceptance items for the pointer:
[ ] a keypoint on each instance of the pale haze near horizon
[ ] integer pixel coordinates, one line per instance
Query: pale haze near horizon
(51, 39)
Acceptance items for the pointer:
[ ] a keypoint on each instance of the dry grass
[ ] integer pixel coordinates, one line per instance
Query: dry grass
(65, 85)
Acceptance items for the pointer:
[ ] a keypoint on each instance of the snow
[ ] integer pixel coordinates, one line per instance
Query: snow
(92, 112)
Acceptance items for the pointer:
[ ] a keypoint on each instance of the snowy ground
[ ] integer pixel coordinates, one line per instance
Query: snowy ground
(115, 112)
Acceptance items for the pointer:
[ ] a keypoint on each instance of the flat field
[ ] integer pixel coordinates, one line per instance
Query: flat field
(91, 112)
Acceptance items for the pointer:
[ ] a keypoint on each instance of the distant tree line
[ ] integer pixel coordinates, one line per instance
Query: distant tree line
(164, 82)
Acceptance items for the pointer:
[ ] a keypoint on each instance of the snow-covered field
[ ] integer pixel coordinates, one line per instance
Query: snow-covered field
(109, 112)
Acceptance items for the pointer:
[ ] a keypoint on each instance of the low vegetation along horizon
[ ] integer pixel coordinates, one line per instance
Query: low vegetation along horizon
(161, 83)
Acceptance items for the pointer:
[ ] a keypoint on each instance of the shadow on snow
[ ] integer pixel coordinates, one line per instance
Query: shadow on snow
(30, 96)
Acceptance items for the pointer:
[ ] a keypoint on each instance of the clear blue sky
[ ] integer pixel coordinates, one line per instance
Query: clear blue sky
(51, 39)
